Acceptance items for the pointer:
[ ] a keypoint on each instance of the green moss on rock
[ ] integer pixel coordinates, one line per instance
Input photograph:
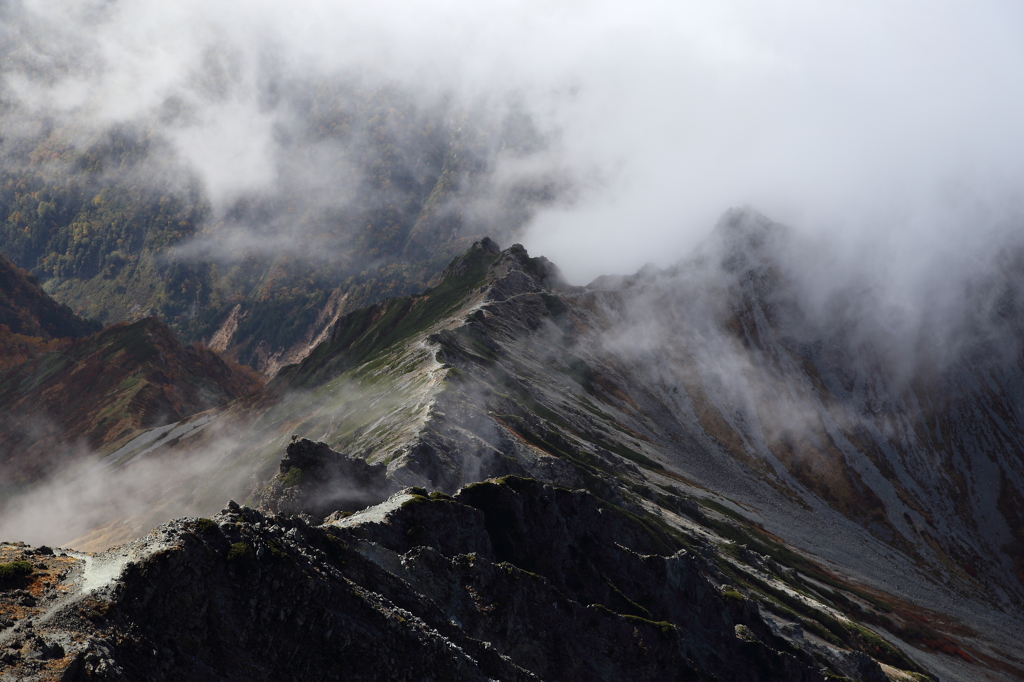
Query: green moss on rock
(292, 477)
(205, 525)
(12, 571)
(241, 555)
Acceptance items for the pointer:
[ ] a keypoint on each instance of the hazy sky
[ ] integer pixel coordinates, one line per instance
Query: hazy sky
(874, 123)
(893, 121)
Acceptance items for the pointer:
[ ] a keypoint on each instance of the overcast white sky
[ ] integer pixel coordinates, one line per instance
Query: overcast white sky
(892, 123)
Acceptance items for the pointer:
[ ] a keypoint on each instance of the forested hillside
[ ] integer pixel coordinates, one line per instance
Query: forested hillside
(373, 193)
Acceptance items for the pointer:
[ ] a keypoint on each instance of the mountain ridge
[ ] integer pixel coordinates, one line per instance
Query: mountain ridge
(473, 586)
(26, 309)
(124, 380)
(501, 369)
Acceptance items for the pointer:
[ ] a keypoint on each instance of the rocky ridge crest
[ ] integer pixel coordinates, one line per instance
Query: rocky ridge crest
(508, 579)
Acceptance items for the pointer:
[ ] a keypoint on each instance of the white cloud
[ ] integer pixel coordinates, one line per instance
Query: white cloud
(232, 149)
(851, 118)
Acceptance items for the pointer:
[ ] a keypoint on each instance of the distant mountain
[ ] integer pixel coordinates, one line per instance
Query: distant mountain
(712, 397)
(373, 193)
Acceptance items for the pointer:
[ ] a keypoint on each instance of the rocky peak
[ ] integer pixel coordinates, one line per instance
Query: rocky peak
(315, 480)
(509, 272)
(515, 273)
(744, 240)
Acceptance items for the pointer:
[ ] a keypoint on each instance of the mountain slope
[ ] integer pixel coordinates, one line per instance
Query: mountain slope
(27, 310)
(709, 387)
(32, 323)
(103, 389)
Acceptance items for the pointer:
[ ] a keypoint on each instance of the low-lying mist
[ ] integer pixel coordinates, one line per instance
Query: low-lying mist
(96, 497)
(90, 506)
(93, 499)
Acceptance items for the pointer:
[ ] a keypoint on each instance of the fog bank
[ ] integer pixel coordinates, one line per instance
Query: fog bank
(891, 131)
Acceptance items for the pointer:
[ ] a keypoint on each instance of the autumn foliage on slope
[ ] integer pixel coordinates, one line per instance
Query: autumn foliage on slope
(26, 309)
(100, 390)
(32, 323)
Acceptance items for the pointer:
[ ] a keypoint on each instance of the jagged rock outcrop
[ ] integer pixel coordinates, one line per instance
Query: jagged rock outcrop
(315, 480)
(509, 580)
